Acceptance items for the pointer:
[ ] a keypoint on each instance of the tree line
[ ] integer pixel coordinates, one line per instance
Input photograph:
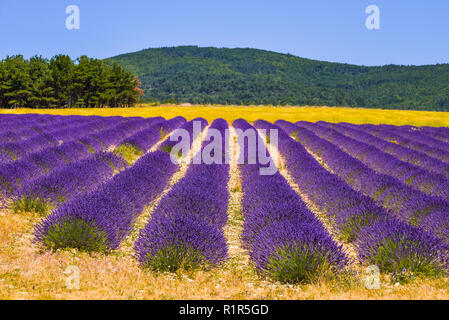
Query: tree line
(61, 82)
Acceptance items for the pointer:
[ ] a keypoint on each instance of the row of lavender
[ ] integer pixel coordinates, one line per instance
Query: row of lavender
(18, 127)
(84, 144)
(283, 237)
(15, 145)
(33, 138)
(45, 193)
(417, 169)
(414, 207)
(378, 236)
(12, 175)
(186, 227)
(380, 215)
(44, 179)
(415, 139)
(99, 220)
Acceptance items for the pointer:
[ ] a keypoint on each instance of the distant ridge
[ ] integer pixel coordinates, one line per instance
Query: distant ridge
(252, 76)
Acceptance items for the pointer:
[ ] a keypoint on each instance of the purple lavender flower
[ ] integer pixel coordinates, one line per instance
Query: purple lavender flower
(399, 199)
(284, 238)
(99, 220)
(394, 246)
(45, 193)
(185, 230)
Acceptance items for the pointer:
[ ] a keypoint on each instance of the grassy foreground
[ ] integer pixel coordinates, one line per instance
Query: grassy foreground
(252, 113)
(26, 273)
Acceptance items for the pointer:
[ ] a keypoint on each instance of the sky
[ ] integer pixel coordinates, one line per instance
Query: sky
(411, 32)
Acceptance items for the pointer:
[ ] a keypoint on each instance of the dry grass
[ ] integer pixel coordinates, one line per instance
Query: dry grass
(25, 273)
(252, 113)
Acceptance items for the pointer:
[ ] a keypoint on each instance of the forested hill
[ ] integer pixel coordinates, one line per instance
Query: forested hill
(251, 76)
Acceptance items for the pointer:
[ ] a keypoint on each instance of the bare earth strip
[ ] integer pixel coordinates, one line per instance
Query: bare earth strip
(234, 226)
(325, 219)
(239, 262)
(127, 245)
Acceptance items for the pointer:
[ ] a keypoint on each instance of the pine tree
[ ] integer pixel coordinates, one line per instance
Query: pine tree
(60, 82)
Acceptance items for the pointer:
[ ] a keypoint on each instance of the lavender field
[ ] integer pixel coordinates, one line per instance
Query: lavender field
(343, 198)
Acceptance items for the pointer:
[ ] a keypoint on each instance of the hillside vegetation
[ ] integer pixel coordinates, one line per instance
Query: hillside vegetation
(250, 76)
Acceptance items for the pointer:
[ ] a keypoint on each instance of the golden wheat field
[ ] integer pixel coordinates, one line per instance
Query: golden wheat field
(252, 113)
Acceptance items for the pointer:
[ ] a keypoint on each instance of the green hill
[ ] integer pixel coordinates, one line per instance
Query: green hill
(251, 76)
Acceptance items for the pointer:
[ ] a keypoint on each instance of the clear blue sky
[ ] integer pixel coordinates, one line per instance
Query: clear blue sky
(412, 32)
